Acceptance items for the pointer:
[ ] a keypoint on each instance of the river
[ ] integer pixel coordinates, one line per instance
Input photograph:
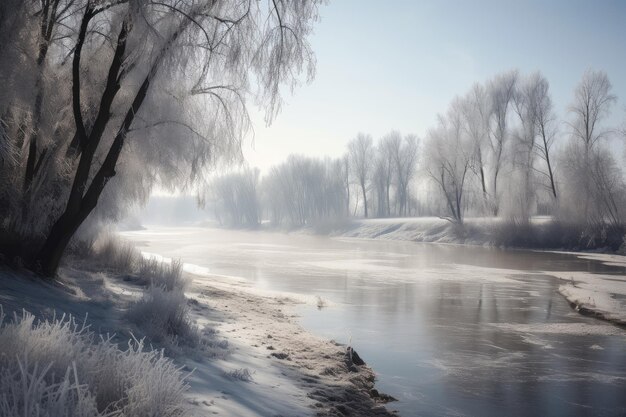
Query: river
(450, 330)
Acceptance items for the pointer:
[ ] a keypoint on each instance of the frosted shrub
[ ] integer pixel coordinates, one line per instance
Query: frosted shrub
(163, 316)
(116, 254)
(58, 368)
(167, 275)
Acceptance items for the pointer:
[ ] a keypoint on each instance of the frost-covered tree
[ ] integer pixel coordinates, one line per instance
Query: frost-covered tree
(303, 191)
(501, 93)
(547, 129)
(405, 160)
(145, 92)
(361, 152)
(526, 135)
(235, 197)
(592, 103)
(383, 173)
(476, 112)
(447, 157)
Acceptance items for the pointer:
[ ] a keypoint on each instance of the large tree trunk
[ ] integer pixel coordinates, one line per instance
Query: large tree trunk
(80, 204)
(60, 235)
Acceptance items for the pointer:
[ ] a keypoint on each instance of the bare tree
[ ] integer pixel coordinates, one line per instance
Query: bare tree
(361, 151)
(302, 190)
(475, 111)
(524, 104)
(448, 156)
(380, 181)
(235, 197)
(546, 126)
(385, 171)
(592, 103)
(345, 174)
(501, 92)
(405, 161)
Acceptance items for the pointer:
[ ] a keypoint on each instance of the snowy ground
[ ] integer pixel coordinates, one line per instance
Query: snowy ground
(272, 366)
(423, 229)
(418, 229)
(600, 295)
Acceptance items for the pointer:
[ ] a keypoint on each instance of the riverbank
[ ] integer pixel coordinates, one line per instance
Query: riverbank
(541, 233)
(262, 362)
(598, 295)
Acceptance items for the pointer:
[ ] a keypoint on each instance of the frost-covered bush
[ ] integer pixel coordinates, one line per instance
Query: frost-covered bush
(115, 254)
(59, 368)
(164, 317)
(167, 275)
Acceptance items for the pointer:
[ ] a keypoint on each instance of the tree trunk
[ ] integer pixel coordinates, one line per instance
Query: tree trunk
(364, 198)
(80, 205)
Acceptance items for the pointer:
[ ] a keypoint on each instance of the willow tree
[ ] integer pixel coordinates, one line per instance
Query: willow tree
(158, 91)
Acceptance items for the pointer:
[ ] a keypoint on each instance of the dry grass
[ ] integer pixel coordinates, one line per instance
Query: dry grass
(59, 368)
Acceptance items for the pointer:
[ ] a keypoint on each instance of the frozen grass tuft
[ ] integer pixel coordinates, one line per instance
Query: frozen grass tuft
(59, 368)
(164, 317)
(25, 391)
(120, 256)
(167, 275)
(114, 253)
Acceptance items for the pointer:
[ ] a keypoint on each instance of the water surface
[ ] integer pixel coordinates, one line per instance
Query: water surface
(450, 330)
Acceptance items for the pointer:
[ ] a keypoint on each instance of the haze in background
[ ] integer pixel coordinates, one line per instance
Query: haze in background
(384, 66)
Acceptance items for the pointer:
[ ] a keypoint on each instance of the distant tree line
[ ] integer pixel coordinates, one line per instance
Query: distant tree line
(498, 151)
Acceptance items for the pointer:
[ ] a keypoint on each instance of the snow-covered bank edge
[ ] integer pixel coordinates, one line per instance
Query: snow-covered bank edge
(266, 334)
(540, 233)
(598, 295)
(272, 366)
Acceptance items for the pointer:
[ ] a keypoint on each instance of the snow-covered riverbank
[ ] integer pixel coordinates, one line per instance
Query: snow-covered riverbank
(541, 232)
(269, 365)
(600, 295)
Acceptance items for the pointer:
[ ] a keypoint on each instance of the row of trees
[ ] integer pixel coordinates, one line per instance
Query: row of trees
(494, 152)
(103, 99)
(499, 150)
(298, 192)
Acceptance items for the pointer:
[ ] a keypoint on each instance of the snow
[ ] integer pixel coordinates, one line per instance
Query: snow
(602, 295)
(420, 229)
(308, 375)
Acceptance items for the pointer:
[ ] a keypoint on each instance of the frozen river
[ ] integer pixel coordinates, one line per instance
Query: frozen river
(450, 330)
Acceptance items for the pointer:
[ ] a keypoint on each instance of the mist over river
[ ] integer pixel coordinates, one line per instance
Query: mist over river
(450, 330)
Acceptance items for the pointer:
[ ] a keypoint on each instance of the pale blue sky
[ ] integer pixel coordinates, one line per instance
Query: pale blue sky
(385, 65)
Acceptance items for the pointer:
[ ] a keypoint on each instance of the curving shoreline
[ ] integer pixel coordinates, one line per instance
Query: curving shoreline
(264, 327)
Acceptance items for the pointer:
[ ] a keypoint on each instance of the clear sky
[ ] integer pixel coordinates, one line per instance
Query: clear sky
(384, 65)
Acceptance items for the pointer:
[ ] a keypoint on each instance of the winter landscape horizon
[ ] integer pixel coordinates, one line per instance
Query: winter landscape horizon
(312, 208)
